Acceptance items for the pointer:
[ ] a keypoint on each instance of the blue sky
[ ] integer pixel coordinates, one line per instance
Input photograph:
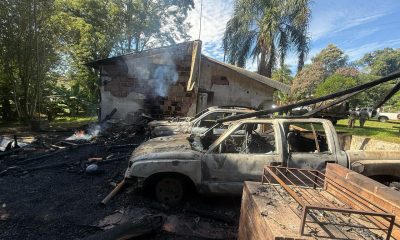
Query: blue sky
(356, 26)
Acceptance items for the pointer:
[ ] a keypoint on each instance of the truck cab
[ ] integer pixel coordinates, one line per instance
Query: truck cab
(219, 163)
(214, 163)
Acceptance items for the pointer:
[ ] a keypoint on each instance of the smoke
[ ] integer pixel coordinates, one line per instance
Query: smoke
(87, 134)
(6, 141)
(163, 77)
(154, 73)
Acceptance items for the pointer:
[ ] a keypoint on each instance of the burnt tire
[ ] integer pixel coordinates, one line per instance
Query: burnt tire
(383, 119)
(170, 190)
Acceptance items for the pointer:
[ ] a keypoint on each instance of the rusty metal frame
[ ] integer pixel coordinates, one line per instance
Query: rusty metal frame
(318, 180)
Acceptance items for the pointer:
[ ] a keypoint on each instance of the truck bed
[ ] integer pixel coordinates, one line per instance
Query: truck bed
(268, 211)
(267, 215)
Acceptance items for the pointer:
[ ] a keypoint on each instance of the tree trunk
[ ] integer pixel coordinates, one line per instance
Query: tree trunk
(266, 61)
(264, 67)
(137, 44)
(262, 64)
(6, 109)
(301, 62)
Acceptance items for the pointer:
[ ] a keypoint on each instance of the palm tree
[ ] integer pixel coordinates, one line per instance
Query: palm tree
(266, 30)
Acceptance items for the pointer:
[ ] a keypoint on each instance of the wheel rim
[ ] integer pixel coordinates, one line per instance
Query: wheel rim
(169, 191)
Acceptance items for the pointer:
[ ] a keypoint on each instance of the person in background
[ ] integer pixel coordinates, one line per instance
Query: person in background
(352, 118)
(364, 116)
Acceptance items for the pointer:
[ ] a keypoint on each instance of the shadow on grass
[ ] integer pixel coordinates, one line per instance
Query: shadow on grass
(374, 129)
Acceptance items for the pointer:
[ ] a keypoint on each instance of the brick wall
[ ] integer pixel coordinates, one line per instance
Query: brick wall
(178, 101)
(120, 81)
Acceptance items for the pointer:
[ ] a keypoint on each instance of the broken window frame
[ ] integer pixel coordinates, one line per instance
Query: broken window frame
(314, 133)
(200, 121)
(214, 148)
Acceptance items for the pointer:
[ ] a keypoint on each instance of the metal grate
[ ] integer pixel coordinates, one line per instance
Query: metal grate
(308, 189)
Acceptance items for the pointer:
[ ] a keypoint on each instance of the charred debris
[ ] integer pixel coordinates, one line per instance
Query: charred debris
(98, 143)
(64, 175)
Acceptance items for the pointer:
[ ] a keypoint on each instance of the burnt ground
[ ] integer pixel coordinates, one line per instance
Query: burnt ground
(52, 197)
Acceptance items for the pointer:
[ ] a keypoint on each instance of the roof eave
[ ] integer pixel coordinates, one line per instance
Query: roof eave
(255, 76)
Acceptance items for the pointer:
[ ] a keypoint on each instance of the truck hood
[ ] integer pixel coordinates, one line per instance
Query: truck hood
(170, 147)
(171, 122)
(171, 128)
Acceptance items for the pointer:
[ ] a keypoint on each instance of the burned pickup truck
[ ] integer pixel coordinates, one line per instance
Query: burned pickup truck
(218, 164)
(197, 124)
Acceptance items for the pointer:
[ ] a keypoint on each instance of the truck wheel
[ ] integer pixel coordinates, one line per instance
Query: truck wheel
(169, 190)
(383, 119)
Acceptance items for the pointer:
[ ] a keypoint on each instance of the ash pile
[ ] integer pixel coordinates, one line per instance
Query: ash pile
(51, 186)
(103, 142)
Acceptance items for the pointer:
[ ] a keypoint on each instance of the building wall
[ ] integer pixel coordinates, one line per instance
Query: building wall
(227, 87)
(154, 84)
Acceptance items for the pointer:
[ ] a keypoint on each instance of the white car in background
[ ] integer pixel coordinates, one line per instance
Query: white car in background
(385, 116)
(380, 115)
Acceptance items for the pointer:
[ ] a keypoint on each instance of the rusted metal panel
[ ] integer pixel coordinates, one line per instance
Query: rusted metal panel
(261, 221)
(302, 185)
(375, 162)
(371, 191)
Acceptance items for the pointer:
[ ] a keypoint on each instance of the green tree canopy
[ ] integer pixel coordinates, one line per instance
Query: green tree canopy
(87, 30)
(306, 81)
(283, 74)
(324, 64)
(95, 29)
(27, 52)
(382, 62)
(150, 23)
(331, 58)
(47, 43)
(335, 83)
(266, 30)
(370, 97)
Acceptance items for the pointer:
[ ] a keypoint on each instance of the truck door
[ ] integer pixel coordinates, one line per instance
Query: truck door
(240, 156)
(308, 145)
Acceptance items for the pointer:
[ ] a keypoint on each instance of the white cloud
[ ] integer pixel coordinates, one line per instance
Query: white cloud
(358, 52)
(333, 22)
(215, 15)
(361, 35)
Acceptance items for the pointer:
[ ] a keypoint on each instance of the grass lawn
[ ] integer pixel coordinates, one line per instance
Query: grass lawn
(71, 122)
(75, 119)
(373, 129)
(66, 122)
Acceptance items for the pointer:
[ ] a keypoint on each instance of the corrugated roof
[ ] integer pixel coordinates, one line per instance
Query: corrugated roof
(262, 79)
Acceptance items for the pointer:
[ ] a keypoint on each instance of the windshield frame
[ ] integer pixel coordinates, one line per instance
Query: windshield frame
(221, 138)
